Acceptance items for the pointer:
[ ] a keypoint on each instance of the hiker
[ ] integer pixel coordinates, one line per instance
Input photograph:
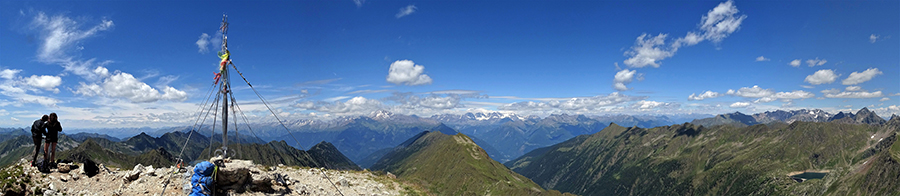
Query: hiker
(53, 129)
(38, 129)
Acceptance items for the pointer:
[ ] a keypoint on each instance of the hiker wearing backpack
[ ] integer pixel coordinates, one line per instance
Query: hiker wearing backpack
(38, 129)
(53, 129)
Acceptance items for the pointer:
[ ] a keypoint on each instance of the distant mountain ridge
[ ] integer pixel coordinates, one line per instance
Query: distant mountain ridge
(863, 116)
(692, 159)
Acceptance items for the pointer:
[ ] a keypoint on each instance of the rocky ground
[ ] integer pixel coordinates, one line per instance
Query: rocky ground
(239, 177)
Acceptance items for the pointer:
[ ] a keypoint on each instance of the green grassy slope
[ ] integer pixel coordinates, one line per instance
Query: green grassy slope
(454, 165)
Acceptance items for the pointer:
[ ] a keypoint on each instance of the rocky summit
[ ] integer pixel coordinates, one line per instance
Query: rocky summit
(238, 177)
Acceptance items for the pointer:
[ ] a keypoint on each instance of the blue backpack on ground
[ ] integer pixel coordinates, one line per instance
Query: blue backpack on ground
(203, 179)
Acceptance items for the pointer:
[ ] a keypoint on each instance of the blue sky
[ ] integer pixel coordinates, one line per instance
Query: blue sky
(148, 63)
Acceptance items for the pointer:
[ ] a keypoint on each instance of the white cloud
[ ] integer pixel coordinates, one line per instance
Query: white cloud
(353, 106)
(814, 62)
(853, 88)
(887, 111)
(572, 104)
(786, 96)
(873, 38)
(46, 101)
(203, 43)
(60, 32)
(795, 63)
(45, 82)
(752, 92)
(857, 77)
(797, 94)
(622, 78)
(359, 3)
(461, 92)
(647, 51)
(762, 58)
(649, 105)
(825, 76)
(704, 95)
(885, 99)
(739, 104)
(407, 73)
(807, 86)
(9, 73)
(333, 99)
(431, 101)
(124, 85)
(721, 21)
(831, 91)
(835, 93)
(368, 91)
(688, 40)
(404, 11)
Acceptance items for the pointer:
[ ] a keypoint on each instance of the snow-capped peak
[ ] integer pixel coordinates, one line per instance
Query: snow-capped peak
(381, 114)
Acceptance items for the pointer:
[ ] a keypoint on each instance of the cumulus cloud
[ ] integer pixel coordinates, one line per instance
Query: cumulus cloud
(721, 21)
(124, 85)
(815, 62)
(624, 77)
(860, 77)
(404, 11)
(825, 76)
(432, 101)
(573, 104)
(353, 106)
(59, 33)
(762, 58)
(704, 95)
(795, 63)
(751, 92)
(45, 82)
(650, 105)
(17, 88)
(835, 93)
(9, 73)
(203, 43)
(648, 50)
(407, 73)
(786, 96)
(853, 88)
(715, 26)
(885, 99)
(690, 39)
(873, 38)
(739, 104)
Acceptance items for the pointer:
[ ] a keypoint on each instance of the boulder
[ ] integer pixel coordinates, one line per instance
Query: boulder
(66, 167)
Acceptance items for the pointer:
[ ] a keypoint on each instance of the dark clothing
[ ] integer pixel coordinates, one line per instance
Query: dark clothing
(37, 148)
(38, 128)
(53, 129)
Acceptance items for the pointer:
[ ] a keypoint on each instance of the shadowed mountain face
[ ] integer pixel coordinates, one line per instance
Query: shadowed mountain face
(330, 156)
(454, 165)
(22, 146)
(690, 159)
(91, 151)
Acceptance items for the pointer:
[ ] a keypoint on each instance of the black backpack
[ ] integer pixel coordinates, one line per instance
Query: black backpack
(43, 166)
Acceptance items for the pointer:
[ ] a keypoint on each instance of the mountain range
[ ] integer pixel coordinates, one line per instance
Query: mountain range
(863, 116)
(856, 155)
